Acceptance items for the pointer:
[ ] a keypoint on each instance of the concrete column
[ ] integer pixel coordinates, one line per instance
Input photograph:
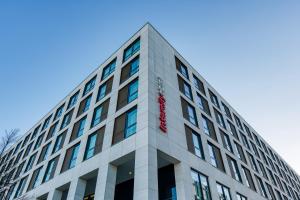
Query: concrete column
(77, 189)
(54, 195)
(145, 174)
(106, 181)
(183, 180)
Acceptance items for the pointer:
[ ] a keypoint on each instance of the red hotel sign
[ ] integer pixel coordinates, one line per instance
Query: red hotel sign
(162, 113)
(162, 107)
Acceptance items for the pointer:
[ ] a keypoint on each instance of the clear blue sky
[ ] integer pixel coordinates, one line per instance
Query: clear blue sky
(248, 50)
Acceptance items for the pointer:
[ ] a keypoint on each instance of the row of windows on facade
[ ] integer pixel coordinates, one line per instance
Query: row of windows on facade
(127, 71)
(202, 103)
(130, 92)
(100, 113)
(189, 113)
(93, 147)
(195, 146)
(194, 139)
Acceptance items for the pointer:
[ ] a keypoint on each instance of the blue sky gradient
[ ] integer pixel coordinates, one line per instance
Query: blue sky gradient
(248, 50)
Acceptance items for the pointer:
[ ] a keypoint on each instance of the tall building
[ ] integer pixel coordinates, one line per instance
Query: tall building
(145, 125)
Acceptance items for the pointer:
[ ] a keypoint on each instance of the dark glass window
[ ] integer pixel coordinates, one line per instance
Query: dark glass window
(50, 170)
(215, 156)
(208, 128)
(67, 119)
(201, 186)
(214, 99)
(108, 69)
(100, 113)
(223, 192)
(199, 84)
(202, 104)
(59, 142)
(129, 70)
(59, 112)
(89, 86)
(78, 129)
(94, 143)
(234, 169)
(131, 49)
(73, 100)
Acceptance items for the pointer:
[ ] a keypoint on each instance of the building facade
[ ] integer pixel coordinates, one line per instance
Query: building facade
(145, 125)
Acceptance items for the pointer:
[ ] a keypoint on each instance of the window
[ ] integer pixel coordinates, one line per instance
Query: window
(248, 178)
(185, 88)
(226, 110)
(19, 170)
(94, 143)
(233, 130)
(67, 119)
(192, 115)
(39, 141)
(59, 112)
(214, 99)
(17, 147)
(199, 84)
(252, 162)
(248, 131)
(181, 68)
(46, 123)
(20, 187)
(129, 70)
(240, 197)
(52, 131)
(105, 89)
(208, 128)
(127, 94)
(215, 156)
(73, 100)
(271, 192)
(125, 125)
(133, 91)
(100, 113)
(70, 157)
(245, 141)
(234, 169)
(219, 118)
(202, 104)
(78, 129)
(223, 192)
(27, 150)
(238, 122)
(263, 170)
(257, 140)
(226, 141)
(50, 170)
(254, 149)
(131, 123)
(131, 49)
(108, 69)
(194, 142)
(44, 153)
(201, 187)
(30, 162)
(59, 142)
(73, 157)
(84, 105)
(35, 132)
(240, 152)
(26, 140)
(89, 86)
(35, 179)
(189, 112)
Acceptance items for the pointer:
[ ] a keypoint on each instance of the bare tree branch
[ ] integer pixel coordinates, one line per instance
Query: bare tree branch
(7, 139)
